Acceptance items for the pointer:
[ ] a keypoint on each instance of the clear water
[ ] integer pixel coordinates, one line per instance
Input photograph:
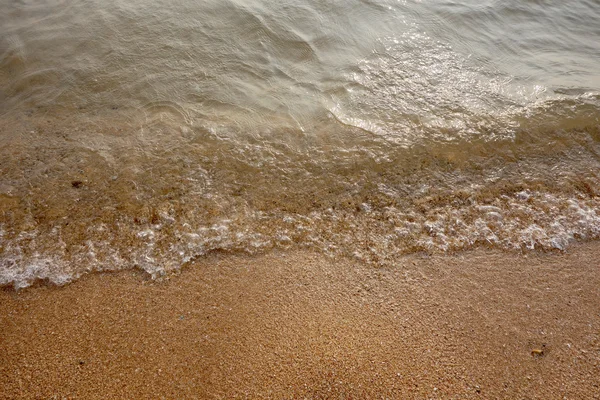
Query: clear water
(143, 134)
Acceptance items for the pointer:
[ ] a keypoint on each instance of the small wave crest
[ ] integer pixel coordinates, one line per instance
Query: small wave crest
(67, 209)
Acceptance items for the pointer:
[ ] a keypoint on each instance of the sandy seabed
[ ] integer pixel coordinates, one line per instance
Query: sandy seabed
(479, 324)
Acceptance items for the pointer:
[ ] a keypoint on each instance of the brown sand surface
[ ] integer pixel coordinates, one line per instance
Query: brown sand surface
(480, 324)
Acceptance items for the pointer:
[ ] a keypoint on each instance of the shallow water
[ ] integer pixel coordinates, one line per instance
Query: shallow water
(147, 133)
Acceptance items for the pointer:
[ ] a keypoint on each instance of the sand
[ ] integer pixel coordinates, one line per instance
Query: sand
(479, 324)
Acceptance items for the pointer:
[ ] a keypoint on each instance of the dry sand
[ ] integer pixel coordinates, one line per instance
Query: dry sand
(480, 324)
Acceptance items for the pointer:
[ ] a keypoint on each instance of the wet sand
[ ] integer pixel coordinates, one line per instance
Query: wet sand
(479, 324)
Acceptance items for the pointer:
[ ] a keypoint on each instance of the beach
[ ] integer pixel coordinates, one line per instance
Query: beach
(367, 199)
(476, 324)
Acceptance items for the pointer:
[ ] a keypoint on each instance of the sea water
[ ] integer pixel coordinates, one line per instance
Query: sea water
(147, 133)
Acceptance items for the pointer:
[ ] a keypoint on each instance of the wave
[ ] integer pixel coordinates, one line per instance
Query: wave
(93, 198)
(146, 134)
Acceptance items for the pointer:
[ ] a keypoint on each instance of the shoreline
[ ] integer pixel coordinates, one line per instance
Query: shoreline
(476, 324)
